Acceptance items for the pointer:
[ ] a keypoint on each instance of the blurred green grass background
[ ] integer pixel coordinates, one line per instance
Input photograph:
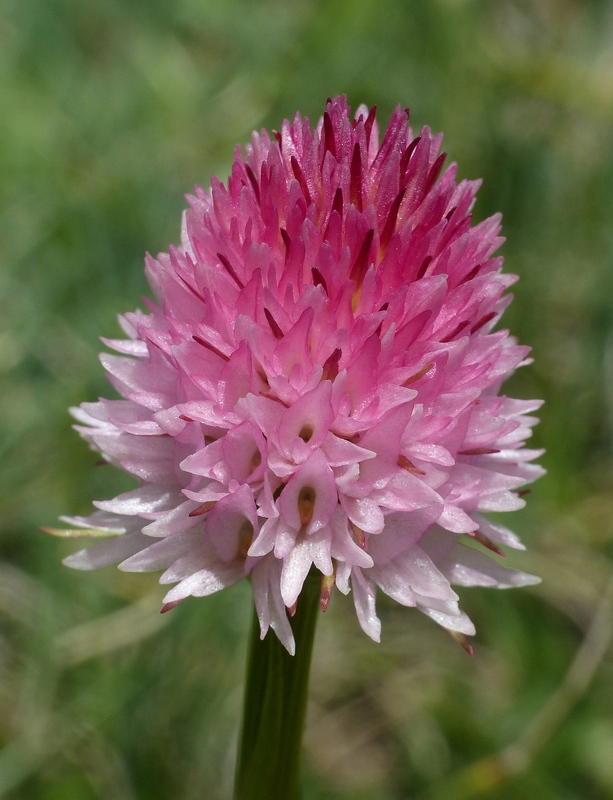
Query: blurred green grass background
(110, 112)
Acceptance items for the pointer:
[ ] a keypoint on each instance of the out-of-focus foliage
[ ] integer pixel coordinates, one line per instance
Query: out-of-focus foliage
(111, 110)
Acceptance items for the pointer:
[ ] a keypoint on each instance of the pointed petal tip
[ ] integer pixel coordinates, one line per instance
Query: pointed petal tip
(168, 606)
(78, 561)
(486, 542)
(462, 640)
(80, 533)
(526, 579)
(327, 584)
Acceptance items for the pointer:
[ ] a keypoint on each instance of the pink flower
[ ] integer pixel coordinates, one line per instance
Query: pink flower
(318, 383)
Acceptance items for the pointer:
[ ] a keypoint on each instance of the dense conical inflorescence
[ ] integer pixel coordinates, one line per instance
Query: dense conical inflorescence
(317, 385)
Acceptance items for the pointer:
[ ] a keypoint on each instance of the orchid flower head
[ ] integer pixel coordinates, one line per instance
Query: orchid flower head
(317, 384)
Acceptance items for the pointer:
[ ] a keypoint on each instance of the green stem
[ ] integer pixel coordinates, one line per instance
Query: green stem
(274, 707)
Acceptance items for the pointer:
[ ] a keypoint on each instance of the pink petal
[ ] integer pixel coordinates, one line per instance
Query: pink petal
(364, 601)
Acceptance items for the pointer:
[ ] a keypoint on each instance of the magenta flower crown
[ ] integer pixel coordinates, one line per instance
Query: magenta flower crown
(317, 386)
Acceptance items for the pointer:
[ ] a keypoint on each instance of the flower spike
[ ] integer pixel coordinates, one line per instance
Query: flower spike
(316, 389)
